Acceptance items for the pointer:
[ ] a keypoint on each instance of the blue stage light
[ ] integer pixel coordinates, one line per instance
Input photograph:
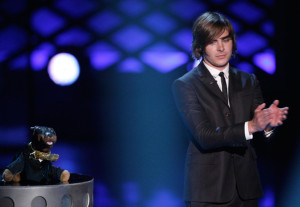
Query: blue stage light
(141, 38)
(164, 198)
(131, 65)
(257, 41)
(253, 14)
(112, 20)
(266, 61)
(102, 55)
(46, 22)
(75, 36)
(163, 57)
(40, 56)
(63, 69)
(246, 66)
(269, 198)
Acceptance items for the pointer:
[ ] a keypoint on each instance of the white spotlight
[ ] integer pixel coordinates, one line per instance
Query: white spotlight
(63, 69)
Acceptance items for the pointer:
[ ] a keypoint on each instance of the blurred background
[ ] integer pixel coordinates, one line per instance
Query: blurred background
(100, 73)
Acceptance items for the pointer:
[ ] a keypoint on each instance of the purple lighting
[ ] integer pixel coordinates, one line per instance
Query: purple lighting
(219, 1)
(164, 198)
(131, 193)
(268, 200)
(39, 57)
(103, 197)
(245, 66)
(14, 135)
(19, 63)
(131, 65)
(266, 61)
(183, 39)
(102, 55)
(68, 161)
(268, 28)
(247, 11)
(38, 60)
(163, 57)
(188, 9)
(46, 22)
(133, 7)
(75, 8)
(110, 18)
(236, 25)
(102, 60)
(250, 42)
(160, 23)
(12, 39)
(75, 36)
(132, 38)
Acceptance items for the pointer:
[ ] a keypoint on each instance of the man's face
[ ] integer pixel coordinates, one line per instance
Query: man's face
(218, 52)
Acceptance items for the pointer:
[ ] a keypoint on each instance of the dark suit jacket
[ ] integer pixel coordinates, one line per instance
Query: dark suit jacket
(219, 158)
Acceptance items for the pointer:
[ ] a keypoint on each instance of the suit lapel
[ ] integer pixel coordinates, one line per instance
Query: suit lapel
(209, 82)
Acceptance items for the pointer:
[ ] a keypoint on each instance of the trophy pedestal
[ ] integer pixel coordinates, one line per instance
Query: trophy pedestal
(78, 193)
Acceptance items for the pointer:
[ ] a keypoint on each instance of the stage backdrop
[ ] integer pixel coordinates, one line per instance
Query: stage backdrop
(100, 73)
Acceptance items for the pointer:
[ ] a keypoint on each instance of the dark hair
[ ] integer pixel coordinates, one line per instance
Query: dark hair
(207, 27)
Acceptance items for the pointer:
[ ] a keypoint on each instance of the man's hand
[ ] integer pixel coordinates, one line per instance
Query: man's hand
(278, 115)
(266, 119)
(260, 120)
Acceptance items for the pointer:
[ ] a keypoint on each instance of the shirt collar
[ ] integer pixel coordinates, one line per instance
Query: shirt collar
(215, 72)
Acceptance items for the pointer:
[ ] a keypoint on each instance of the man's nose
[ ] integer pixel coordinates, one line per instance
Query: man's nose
(220, 46)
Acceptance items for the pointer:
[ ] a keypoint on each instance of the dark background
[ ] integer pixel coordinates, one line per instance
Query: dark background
(123, 128)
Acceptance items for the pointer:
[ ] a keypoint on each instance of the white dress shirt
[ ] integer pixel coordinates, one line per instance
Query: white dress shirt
(215, 73)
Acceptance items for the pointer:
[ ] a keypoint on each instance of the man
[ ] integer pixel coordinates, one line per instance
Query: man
(222, 111)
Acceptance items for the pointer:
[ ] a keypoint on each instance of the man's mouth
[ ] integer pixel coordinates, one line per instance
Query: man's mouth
(221, 56)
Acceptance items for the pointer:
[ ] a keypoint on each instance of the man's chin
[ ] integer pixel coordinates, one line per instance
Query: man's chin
(220, 66)
(217, 64)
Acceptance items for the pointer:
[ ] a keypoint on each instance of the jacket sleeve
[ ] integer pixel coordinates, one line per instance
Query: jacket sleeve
(57, 171)
(258, 99)
(207, 136)
(17, 165)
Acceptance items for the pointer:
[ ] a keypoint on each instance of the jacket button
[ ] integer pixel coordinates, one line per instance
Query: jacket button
(227, 114)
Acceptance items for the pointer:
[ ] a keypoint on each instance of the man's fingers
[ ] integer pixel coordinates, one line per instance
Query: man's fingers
(275, 103)
(285, 110)
(278, 115)
(260, 107)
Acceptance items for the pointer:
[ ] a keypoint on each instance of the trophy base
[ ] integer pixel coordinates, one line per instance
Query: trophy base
(78, 193)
